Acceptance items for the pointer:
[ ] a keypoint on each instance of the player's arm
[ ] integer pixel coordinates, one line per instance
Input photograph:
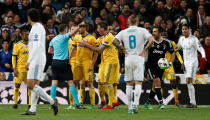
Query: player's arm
(117, 44)
(151, 40)
(177, 52)
(92, 47)
(200, 48)
(93, 61)
(14, 60)
(50, 50)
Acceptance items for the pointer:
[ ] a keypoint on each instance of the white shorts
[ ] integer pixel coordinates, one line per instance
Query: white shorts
(134, 68)
(36, 72)
(190, 71)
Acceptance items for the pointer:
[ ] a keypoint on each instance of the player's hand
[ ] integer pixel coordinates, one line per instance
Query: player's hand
(82, 43)
(142, 53)
(15, 72)
(27, 66)
(182, 67)
(90, 69)
(204, 59)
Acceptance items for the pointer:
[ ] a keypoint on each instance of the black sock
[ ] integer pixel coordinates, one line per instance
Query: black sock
(159, 95)
(151, 96)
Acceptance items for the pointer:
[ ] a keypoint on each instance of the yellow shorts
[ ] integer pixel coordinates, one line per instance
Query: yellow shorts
(101, 74)
(111, 72)
(22, 76)
(73, 64)
(81, 73)
(169, 74)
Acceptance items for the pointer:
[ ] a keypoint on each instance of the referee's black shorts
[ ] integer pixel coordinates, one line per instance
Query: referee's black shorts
(61, 70)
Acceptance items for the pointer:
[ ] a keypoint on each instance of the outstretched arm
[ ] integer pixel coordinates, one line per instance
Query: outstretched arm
(117, 44)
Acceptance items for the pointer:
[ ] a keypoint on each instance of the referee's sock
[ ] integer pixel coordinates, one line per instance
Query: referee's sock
(74, 94)
(53, 91)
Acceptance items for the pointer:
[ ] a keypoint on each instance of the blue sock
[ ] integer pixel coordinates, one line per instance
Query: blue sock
(74, 94)
(53, 91)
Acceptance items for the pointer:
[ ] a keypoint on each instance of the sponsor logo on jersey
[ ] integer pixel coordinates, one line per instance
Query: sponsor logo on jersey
(158, 51)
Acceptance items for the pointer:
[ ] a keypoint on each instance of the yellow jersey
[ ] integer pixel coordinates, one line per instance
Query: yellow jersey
(168, 55)
(20, 51)
(84, 55)
(73, 58)
(110, 53)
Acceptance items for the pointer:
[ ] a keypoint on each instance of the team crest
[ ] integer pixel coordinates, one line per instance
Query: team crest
(158, 46)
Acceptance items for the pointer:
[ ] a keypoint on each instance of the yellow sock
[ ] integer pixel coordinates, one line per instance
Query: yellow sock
(82, 94)
(101, 90)
(92, 96)
(16, 94)
(175, 91)
(115, 93)
(29, 96)
(71, 99)
(110, 94)
(161, 90)
(106, 89)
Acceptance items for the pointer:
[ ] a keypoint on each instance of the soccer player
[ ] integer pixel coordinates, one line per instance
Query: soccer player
(169, 73)
(72, 62)
(133, 39)
(36, 62)
(84, 62)
(110, 57)
(190, 45)
(158, 50)
(19, 60)
(61, 69)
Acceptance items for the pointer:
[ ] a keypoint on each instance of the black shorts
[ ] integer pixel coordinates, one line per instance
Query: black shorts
(61, 70)
(155, 72)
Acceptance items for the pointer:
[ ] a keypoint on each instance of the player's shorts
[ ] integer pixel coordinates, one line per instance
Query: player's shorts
(169, 74)
(73, 64)
(101, 77)
(81, 73)
(61, 70)
(134, 68)
(110, 70)
(154, 72)
(36, 72)
(22, 77)
(190, 71)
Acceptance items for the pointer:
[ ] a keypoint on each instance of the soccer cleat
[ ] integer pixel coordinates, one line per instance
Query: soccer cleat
(79, 107)
(15, 106)
(92, 107)
(101, 105)
(55, 107)
(162, 106)
(29, 106)
(191, 106)
(135, 108)
(148, 106)
(71, 107)
(179, 105)
(130, 111)
(116, 104)
(28, 113)
(108, 107)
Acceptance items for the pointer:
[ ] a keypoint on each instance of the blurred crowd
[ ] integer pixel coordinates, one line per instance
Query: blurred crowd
(167, 14)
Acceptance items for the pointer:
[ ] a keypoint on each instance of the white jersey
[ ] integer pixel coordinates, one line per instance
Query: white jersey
(133, 38)
(190, 46)
(37, 47)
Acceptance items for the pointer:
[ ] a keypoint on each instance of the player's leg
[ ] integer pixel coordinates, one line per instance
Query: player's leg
(53, 88)
(101, 89)
(91, 94)
(157, 87)
(29, 90)
(16, 94)
(116, 82)
(190, 73)
(82, 91)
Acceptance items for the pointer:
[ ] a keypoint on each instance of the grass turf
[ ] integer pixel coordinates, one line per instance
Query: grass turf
(120, 113)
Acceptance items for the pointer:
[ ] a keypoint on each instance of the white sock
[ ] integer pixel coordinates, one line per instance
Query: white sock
(40, 92)
(129, 93)
(34, 100)
(191, 91)
(137, 94)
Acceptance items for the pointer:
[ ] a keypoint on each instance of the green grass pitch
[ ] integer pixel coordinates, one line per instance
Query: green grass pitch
(120, 113)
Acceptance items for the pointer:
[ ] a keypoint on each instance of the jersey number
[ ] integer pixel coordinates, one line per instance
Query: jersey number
(132, 41)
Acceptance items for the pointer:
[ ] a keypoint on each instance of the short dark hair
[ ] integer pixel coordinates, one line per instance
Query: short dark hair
(62, 27)
(3, 41)
(34, 14)
(186, 25)
(103, 25)
(159, 29)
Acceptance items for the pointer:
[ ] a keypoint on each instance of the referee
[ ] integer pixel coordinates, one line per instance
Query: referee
(61, 69)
